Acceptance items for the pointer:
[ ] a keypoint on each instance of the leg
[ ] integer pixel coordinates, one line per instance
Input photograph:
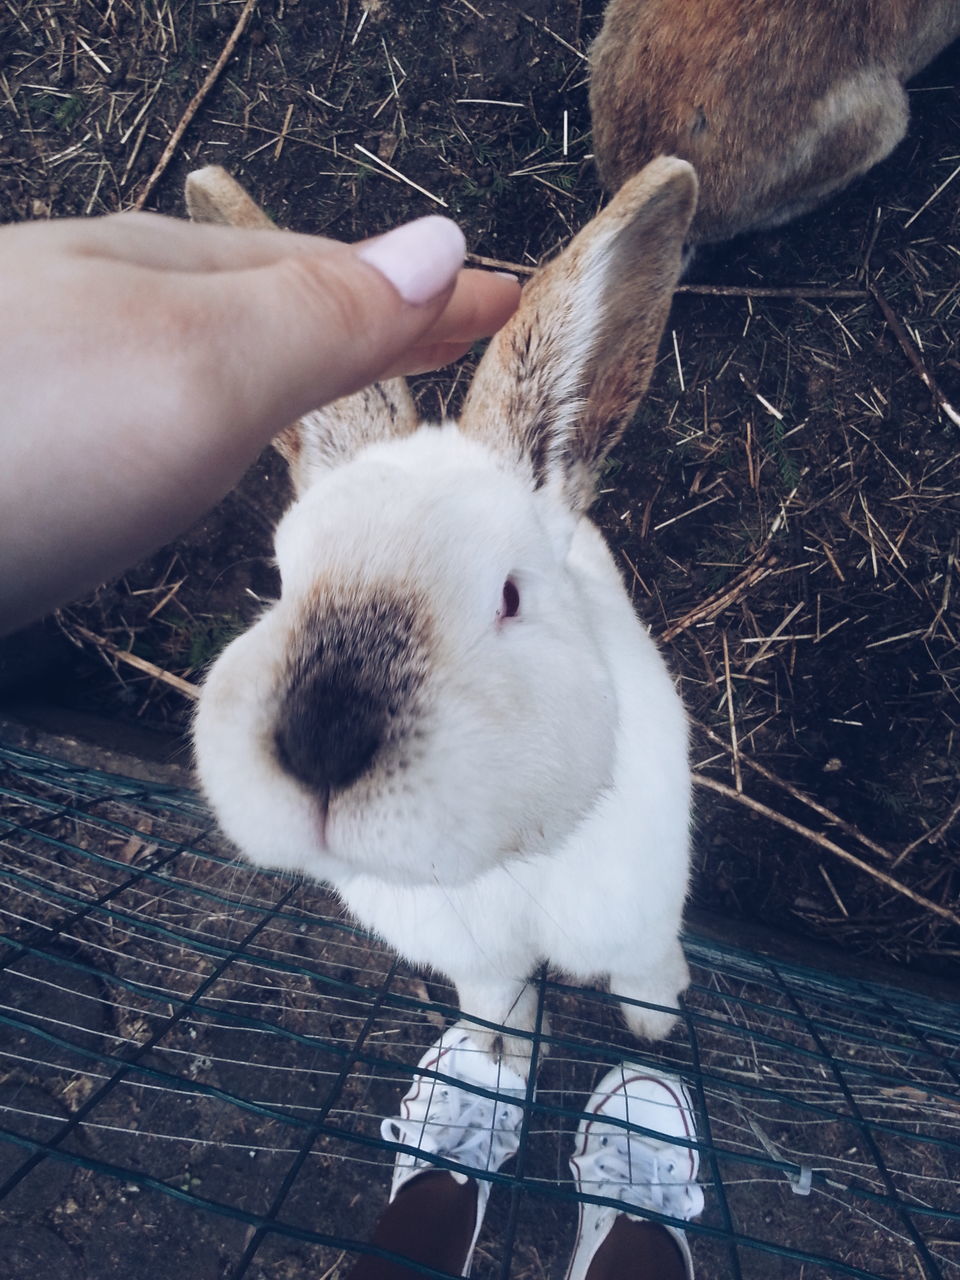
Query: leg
(654, 1171)
(663, 983)
(511, 1004)
(434, 1215)
(638, 1251)
(431, 1221)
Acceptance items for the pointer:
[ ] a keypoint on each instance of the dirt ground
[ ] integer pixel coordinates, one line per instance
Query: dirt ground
(785, 507)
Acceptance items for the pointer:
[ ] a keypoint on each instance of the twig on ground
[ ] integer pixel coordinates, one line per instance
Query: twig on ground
(930, 199)
(193, 106)
(517, 268)
(734, 747)
(771, 777)
(756, 806)
(767, 641)
(559, 39)
(833, 890)
(913, 355)
(770, 291)
(720, 600)
(140, 664)
(401, 177)
(335, 61)
(708, 290)
(334, 1265)
(935, 833)
(278, 149)
(165, 599)
(938, 617)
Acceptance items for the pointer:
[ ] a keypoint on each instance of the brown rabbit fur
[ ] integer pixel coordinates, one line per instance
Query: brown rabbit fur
(776, 103)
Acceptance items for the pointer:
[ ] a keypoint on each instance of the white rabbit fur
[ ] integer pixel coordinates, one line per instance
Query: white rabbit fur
(526, 796)
(776, 103)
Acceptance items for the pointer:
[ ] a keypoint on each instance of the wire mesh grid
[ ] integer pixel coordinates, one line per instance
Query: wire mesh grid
(195, 1058)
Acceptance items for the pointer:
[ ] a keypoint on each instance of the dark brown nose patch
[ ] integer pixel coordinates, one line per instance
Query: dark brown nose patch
(353, 690)
(329, 732)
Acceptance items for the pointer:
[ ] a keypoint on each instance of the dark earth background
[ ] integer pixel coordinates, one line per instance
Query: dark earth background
(785, 507)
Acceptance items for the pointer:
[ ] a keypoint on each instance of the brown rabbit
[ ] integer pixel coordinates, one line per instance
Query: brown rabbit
(776, 103)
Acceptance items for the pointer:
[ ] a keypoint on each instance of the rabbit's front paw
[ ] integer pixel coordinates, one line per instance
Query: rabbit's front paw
(663, 986)
(513, 1050)
(648, 1024)
(513, 1009)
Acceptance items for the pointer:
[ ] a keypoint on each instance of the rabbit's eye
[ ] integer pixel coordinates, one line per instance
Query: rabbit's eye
(510, 601)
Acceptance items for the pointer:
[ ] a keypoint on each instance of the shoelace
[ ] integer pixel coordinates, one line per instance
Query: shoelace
(473, 1135)
(644, 1175)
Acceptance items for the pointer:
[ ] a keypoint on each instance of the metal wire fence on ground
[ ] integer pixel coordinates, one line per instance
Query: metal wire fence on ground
(195, 1058)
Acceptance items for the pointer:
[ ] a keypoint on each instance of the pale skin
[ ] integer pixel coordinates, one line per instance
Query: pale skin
(146, 361)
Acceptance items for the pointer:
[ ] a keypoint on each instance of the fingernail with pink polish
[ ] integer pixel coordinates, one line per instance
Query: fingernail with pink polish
(420, 259)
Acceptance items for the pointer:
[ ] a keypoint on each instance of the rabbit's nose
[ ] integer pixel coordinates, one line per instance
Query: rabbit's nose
(328, 733)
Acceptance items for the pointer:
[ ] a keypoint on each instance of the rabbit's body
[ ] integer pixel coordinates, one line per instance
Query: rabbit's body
(586, 905)
(453, 714)
(776, 103)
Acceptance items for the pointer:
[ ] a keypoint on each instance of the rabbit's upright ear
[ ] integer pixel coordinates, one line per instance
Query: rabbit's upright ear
(559, 384)
(213, 196)
(331, 435)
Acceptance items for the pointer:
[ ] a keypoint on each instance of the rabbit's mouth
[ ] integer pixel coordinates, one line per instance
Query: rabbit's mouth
(322, 811)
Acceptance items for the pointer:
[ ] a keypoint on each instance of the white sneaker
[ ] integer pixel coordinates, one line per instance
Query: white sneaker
(445, 1120)
(639, 1170)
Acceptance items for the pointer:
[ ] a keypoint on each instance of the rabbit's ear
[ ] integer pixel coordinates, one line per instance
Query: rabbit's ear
(559, 384)
(213, 196)
(331, 435)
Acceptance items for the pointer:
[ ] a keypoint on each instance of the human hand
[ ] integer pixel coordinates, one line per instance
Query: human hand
(146, 361)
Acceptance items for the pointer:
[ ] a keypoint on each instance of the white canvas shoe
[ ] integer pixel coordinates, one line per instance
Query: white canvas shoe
(443, 1119)
(639, 1170)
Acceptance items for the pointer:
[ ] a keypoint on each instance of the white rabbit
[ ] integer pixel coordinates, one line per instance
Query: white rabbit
(776, 103)
(452, 713)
